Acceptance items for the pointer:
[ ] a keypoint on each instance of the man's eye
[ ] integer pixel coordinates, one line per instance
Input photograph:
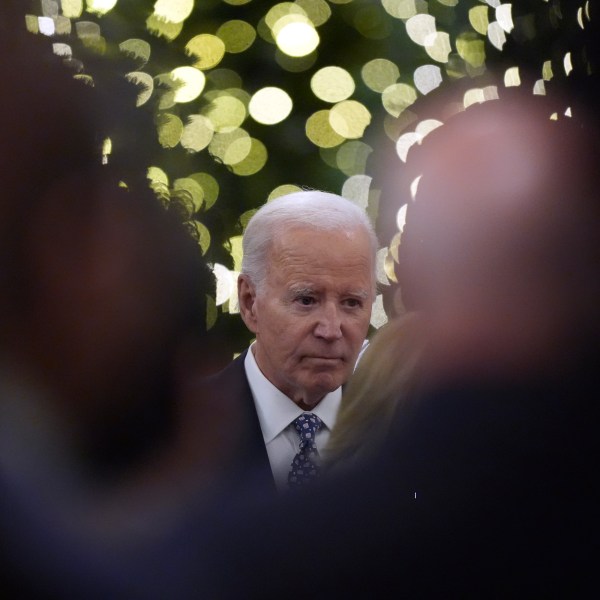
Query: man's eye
(305, 300)
(353, 303)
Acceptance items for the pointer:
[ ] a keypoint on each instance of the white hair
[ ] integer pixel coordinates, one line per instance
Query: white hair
(313, 209)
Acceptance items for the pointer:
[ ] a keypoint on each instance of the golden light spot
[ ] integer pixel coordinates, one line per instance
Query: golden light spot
(63, 50)
(332, 84)
(414, 187)
(270, 105)
(351, 157)
(254, 161)
(157, 175)
(479, 95)
(539, 89)
(100, 7)
(165, 85)
(296, 37)
(319, 131)
(420, 28)
(448, 2)
(144, 82)
(427, 78)
(174, 11)
(567, 63)
(478, 17)
(202, 233)
(210, 188)
(197, 134)
(236, 252)
(190, 83)
(496, 35)
(394, 247)
(72, 9)
(281, 10)
(281, 190)
(379, 74)
(568, 112)
(242, 95)
(87, 29)
(547, 72)
(138, 49)
(237, 36)
(231, 147)
(169, 128)
(245, 217)
(401, 218)
(317, 11)
(350, 119)
(389, 264)
(405, 143)
(504, 17)
(166, 29)
(380, 266)
(87, 79)
(32, 24)
(238, 150)
(207, 49)
(438, 47)
(237, 2)
(471, 49)
(398, 97)
(106, 150)
(512, 77)
(226, 283)
(400, 9)
(378, 314)
(426, 126)
(193, 190)
(356, 188)
(226, 113)
(62, 25)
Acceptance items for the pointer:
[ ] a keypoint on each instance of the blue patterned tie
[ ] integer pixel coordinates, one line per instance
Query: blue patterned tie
(304, 469)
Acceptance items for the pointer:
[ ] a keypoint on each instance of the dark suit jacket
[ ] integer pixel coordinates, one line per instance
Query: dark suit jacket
(249, 460)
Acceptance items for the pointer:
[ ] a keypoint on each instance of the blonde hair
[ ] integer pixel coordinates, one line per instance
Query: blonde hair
(378, 387)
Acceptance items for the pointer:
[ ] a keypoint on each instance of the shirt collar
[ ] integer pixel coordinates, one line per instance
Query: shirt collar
(275, 410)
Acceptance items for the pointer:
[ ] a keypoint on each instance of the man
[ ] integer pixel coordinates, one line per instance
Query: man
(306, 290)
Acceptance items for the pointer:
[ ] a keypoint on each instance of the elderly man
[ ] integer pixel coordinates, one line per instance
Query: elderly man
(306, 290)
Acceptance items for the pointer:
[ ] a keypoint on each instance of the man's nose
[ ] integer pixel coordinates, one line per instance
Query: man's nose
(329, 324)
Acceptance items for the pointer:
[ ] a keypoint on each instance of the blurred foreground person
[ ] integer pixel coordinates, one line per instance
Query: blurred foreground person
(382, 385)
(102, 295)
(487, 485)
(306, 290)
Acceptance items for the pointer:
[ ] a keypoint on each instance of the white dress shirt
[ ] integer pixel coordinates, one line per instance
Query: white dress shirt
(276, 413)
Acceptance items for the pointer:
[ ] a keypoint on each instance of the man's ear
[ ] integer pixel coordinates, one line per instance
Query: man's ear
(247, 302)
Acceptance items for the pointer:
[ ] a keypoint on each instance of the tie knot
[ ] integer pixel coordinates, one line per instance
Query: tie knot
(307, 426)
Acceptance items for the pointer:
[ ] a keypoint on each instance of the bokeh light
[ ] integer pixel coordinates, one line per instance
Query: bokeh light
(252, 100)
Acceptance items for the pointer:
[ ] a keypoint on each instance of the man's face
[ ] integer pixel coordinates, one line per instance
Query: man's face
(312, 314)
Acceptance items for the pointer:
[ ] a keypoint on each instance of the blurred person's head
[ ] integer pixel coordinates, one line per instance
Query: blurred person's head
(500, 247)
(100, 285)
(306, 290)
